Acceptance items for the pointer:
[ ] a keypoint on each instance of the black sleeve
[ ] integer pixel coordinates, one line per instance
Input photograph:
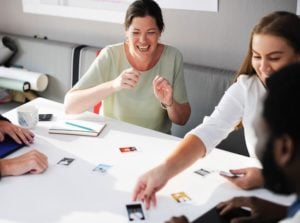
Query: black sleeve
(3, 118)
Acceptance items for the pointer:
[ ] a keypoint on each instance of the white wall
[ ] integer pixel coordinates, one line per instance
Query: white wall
(205, 38)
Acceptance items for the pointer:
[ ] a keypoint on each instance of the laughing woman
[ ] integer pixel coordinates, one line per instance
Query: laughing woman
(139, 81)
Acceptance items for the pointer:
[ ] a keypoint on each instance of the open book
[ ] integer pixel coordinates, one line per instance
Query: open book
(77, 127)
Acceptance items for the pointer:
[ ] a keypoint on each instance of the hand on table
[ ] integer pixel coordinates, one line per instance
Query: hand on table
(148, 184)
(128, 79)
(181, 219)
(250, 178)
(17, 133)
(163, 90)
(31, 162)
(261, 210)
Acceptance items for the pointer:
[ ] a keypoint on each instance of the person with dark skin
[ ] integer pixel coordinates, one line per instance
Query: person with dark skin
(278, 149)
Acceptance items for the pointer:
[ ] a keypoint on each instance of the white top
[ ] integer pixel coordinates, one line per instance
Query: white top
(241, 102)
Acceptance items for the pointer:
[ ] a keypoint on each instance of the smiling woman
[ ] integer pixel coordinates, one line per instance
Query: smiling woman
(140, 80)
(274, 43)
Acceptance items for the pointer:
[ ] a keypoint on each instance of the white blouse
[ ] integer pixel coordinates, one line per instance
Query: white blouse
(241, 102)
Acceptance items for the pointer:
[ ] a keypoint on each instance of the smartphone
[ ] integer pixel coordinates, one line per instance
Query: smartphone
(229, 174)
(45, 117)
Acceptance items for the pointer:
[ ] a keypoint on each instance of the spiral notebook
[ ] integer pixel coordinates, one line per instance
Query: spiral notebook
(77, 127)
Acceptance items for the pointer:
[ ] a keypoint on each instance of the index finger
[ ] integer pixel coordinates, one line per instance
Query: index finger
(140, 186)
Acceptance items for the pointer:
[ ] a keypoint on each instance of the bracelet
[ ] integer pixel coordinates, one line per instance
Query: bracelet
(164, 106)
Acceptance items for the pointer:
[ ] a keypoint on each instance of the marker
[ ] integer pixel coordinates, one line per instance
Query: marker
(80, 126)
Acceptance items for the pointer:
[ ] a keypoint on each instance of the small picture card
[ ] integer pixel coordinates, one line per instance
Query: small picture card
(65, 161)
(102, 168)
(181, 197)
(128, 149)
(135, 212)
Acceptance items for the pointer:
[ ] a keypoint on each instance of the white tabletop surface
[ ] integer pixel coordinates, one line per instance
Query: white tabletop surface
(75, 193)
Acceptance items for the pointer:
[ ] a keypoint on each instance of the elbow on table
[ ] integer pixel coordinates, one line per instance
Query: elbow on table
(69, 107)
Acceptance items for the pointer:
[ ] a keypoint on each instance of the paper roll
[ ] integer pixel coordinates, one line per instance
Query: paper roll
(38, 81)
(14, 84)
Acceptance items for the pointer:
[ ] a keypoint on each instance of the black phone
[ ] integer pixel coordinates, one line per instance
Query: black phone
(45, 117)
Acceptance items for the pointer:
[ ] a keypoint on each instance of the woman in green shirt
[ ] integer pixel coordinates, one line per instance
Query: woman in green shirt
(140, 81)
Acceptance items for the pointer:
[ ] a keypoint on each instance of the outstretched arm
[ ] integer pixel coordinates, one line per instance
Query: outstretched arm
(191, 148)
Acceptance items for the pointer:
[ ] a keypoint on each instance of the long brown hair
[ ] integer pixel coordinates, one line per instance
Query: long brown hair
(281, 24)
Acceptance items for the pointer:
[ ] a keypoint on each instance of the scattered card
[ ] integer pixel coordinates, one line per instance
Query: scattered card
(135, 212)
(65, 161)
(202, 172)
(181, 197)
(128, 149)
(102, 168)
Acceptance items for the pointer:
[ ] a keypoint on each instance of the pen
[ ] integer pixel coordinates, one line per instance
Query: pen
(80, 126)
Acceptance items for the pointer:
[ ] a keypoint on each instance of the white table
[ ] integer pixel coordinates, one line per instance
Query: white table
(78, 194)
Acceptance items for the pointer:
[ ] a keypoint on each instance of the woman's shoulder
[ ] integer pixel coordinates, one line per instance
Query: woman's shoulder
(111, 52)
(117, 47)
(172, 50)
(248, 80)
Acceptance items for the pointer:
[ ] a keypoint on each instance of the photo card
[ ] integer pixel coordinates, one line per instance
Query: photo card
(102, 168)
(181, 197)
(135, 212)
(128, 149)
(65, 161)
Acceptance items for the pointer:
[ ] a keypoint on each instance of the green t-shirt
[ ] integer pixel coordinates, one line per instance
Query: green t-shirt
(138, 106)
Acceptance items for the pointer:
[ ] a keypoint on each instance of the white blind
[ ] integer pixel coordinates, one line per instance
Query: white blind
(106, 10)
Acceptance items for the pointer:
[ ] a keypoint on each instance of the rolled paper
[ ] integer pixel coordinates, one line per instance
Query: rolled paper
(38, 81)
(16, 85)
